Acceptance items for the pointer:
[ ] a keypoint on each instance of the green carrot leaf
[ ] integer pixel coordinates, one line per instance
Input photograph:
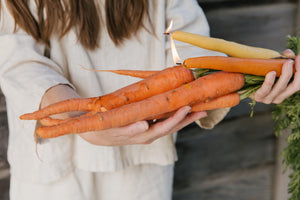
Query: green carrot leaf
(287, 117)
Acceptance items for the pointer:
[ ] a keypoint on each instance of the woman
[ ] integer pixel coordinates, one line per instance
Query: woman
(43, 45)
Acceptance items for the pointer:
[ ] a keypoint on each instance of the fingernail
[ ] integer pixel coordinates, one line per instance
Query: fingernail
(203, 114)
(143, 125)
(188, 109)
(273, 73)
(288, 53)
(290, 62)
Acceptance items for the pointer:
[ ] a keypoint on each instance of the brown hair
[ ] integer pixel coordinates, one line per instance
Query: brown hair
(123, 19)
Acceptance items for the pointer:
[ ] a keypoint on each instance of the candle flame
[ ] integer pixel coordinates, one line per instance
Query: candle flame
(175, 55)
(169, 27)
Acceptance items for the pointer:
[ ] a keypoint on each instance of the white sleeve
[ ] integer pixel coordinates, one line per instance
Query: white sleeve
(25, 73)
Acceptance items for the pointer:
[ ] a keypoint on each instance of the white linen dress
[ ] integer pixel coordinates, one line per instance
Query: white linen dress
(71, 168)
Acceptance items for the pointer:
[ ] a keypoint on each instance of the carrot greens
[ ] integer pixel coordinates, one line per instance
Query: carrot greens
(286, 115)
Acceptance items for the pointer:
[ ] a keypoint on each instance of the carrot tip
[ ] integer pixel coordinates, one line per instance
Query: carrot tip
(24, 117)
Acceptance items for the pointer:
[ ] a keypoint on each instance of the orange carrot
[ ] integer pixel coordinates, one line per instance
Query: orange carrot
(226, 101)
(206, 87)
(133, 73)
(48, 121)
(259, 67)
(80, 104)
(160, 82)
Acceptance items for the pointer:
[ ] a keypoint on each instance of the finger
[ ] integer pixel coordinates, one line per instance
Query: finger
(288, 53)
(123, 135)
(167, 125)
(294, 86)
(115, 136)
(266, 87)
(281, 84)
(161, 128)
(291, 89)
(192, 117)
(131, 129)
(297, 63)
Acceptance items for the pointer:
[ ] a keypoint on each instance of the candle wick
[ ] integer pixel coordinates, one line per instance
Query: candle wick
(178, 63)
(166, 33)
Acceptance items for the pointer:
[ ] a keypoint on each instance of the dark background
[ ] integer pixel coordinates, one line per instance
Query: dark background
(238, 159)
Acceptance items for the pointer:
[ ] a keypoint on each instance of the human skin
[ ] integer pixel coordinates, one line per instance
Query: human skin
(271, 92)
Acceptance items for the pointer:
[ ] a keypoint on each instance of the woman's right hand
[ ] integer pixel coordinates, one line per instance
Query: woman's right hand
(142, 132)
(137, 133)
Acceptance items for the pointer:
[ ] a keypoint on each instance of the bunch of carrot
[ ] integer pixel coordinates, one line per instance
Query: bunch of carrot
(158, 95)
(154, 97)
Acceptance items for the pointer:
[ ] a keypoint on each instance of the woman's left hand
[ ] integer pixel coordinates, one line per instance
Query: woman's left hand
(285, 86)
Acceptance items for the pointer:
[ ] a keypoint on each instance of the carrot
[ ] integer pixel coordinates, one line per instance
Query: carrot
(259, 67)
(162, 81)
(80, 104)
(133, 73)
(48, 121)
(200, 90)
(226, 101)
(230, 48)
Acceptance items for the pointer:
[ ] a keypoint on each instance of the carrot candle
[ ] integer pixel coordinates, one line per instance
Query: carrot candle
(254, 66)
(230, 48)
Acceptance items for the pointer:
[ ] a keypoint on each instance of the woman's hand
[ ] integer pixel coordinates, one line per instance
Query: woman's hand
(136, 133)
(142, 132)
(271, 92)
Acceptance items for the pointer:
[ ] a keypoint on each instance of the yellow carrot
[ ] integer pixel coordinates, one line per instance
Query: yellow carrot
(230, 48)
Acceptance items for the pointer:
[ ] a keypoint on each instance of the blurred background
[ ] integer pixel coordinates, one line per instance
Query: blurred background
(239, 158)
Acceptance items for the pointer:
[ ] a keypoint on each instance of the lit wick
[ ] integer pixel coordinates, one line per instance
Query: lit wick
(176, 57)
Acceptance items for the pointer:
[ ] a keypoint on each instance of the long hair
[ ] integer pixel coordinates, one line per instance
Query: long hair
(124, 18)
